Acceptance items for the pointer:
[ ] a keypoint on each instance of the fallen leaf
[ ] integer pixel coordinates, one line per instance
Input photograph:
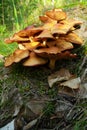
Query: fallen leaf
(61, 75)
(82, 91)
(67, 91)
(36, 106)
(30, 124)
(62, 106)
(72, 83)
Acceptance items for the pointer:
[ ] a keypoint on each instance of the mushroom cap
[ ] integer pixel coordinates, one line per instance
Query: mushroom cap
(31, 45)
(34, 60)
(20, 35)
(28, 31)
(49, 51)
(64, 26)
(63, 45)
(46, 19)
(45, 34)
(9, 60)
(74, 38)
(48, 26)
(72, 22)
(20, 54)
(16, 38)
(60, 28)
(17, 56)
(51, 43)
(24, 32)
(65, 55)
(56, 14)
(34, 31)
(21, 47)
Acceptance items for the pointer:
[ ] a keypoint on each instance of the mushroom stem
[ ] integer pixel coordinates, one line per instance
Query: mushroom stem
(52, 63)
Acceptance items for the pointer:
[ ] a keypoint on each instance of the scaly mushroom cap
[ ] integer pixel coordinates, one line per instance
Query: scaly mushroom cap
(56, 14)
(17, 56)
(34, 60)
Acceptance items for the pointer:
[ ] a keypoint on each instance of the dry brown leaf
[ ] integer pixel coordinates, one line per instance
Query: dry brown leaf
(36, 106)
(61, 75)
(67, 91)
(72, 83)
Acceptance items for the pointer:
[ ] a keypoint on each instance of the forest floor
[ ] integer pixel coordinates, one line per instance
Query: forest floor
(26, 96)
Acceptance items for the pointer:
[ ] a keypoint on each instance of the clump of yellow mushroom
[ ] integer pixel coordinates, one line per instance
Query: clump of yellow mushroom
(51, 41)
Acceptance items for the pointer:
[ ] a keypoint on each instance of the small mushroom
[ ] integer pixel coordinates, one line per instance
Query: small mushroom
(63, 45)
(53, 54)
(48, 53)
(16, 38)
(56, 14)
(51, 43)
(71, 22)
(46, 19)
(61, 28)
(29, 31)
(45, 34)
(48, 26)
(31, 45)
(34, 60)
(17, 56)
(74, 38)
(64, 26)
